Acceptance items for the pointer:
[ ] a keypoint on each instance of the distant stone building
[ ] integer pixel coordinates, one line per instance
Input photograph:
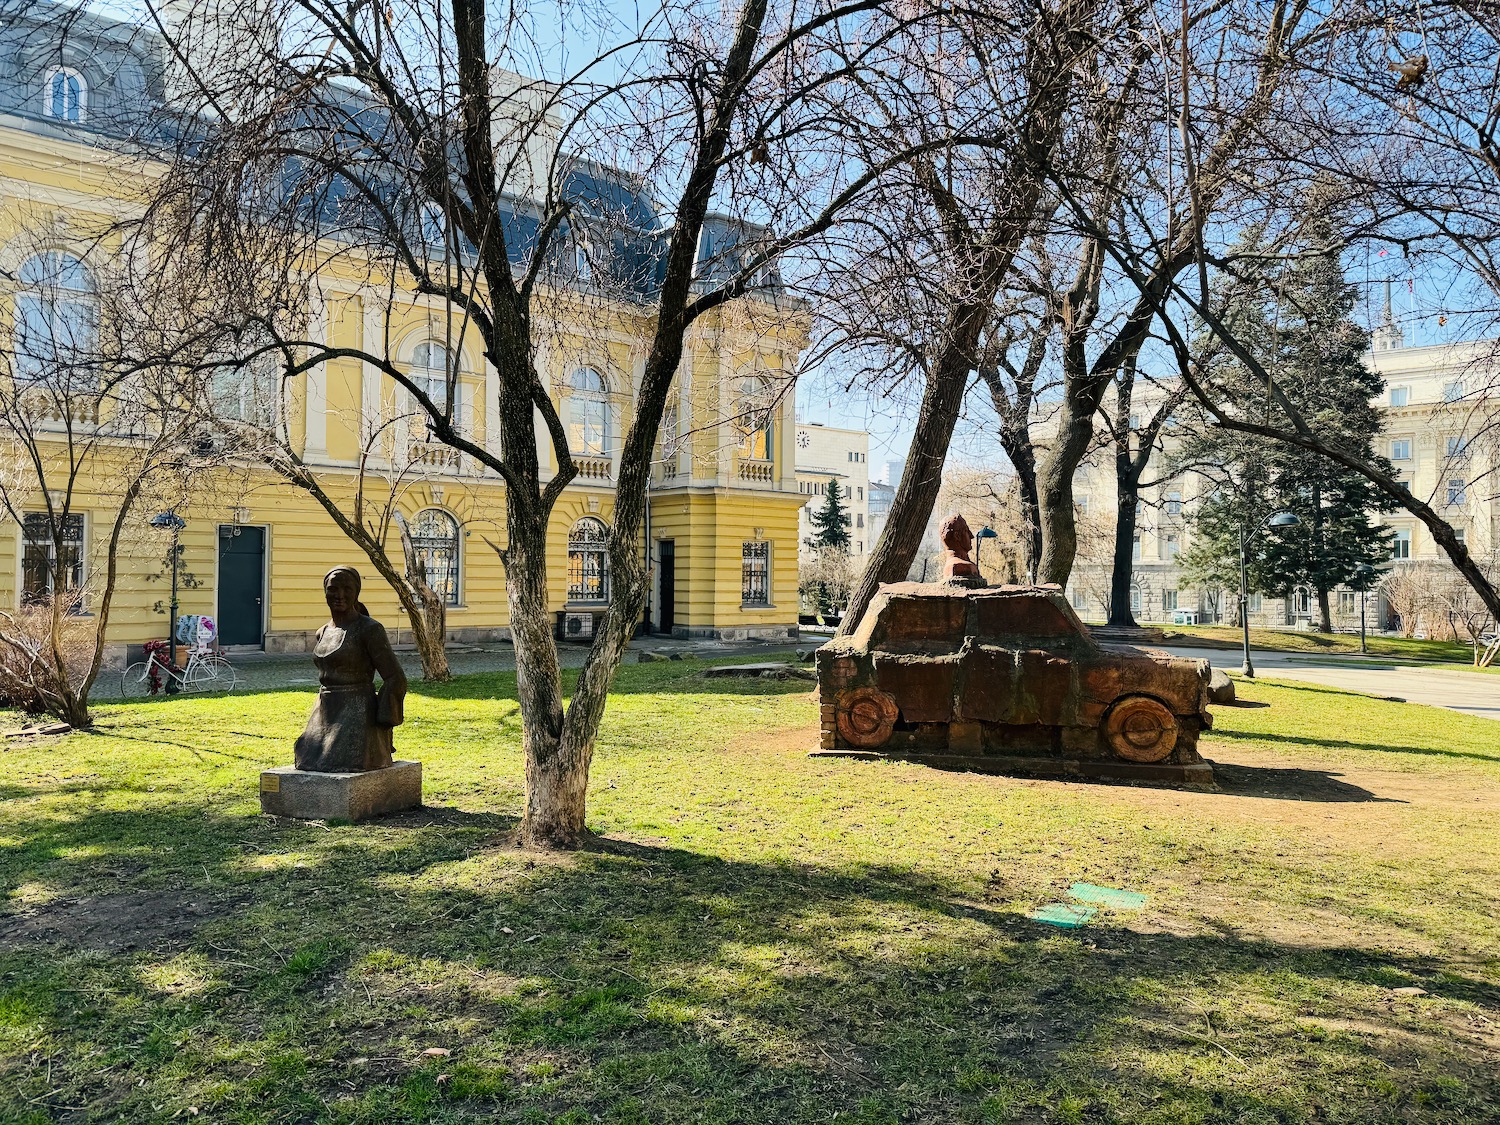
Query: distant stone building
(1437, 402)
(825, 453)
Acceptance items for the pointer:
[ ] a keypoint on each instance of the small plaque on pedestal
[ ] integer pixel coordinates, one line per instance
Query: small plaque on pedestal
(306, 795)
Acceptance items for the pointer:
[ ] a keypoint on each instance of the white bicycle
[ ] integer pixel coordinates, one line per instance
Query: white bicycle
(206, 668)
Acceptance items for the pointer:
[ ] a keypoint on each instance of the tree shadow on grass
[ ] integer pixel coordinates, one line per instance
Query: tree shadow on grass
(636, 982)
(1351, 744)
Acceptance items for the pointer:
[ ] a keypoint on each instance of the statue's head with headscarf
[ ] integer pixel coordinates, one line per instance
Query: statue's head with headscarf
(341, 587)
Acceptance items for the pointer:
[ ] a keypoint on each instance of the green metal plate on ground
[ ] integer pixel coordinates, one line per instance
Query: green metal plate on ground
(1107, 896)
(1063, 914)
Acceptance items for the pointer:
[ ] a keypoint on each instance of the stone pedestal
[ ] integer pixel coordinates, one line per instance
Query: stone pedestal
(288, 791)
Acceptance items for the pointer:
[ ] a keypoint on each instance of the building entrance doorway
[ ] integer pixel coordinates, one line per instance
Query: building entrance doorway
(666, 553)
(242, 585)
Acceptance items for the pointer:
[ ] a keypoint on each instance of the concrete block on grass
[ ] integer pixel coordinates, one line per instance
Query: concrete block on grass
(305, 795)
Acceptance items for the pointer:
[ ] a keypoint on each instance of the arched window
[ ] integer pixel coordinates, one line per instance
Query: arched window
(588, 561)
(670, 430)
(432, 368)
(56, 315)
(588, 413)
(757, 411)
(65, 95)
(434, 537)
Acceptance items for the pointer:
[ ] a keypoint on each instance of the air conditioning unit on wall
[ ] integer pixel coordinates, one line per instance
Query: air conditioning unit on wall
(578, 626)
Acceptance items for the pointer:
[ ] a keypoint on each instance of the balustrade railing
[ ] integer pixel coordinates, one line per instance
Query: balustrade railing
(436, 456)
(593, 468)
(756, 472)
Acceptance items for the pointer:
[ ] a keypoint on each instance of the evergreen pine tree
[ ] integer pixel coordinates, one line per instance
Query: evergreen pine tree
(831, 521)
(1302, 328)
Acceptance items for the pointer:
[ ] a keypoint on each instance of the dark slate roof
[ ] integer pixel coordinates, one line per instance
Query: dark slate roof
(124, 65)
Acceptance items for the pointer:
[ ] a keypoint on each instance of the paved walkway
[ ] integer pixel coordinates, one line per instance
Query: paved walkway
(1473, 693)
(261, 671)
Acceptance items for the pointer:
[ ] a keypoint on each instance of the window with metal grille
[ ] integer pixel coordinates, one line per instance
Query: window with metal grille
(588, 561)
(46, 557)
(755, 573)
(434, 537)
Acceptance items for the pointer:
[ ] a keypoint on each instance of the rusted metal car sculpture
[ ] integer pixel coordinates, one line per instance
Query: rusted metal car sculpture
(1007, 679)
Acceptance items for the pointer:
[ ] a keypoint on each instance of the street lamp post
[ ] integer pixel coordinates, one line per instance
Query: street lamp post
(175, 523)
(1363, 572)
(1279, 519)
(979, 537)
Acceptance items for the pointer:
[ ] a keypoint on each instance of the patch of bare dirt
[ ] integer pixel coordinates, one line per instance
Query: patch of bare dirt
(156, 920)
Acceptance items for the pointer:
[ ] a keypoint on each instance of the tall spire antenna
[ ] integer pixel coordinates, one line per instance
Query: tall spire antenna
(1388, 336)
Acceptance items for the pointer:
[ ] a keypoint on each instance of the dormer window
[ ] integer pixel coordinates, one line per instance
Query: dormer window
(65, 95)
(434, 226)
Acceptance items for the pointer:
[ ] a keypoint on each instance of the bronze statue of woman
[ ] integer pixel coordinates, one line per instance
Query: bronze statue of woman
(350, 727)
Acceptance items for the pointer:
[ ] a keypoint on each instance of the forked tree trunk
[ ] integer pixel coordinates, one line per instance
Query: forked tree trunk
(431, 638)
(556, 773)
(1049, 58)
(427, 611)
(1055, 496)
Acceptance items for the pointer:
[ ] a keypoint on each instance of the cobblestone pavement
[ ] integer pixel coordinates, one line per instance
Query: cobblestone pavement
(262, 672)
(1473, 693)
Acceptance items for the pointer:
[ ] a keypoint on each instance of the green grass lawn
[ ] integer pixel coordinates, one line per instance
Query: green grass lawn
(760, 936)
(1291, 640)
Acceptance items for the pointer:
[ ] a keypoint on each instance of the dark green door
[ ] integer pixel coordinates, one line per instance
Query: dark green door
(667, 616)
(242, 585)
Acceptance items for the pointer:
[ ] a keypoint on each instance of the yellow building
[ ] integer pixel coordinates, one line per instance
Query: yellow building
(724, 500)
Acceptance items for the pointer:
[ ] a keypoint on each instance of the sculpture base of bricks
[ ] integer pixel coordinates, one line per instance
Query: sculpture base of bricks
(1007, 679)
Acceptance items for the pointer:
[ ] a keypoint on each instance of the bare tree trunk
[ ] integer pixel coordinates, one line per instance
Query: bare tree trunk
(912, 505)
(1122, 573)
(1015, 434)
(1049, 78)
(1325, 618)
(1055, 494)
(1024, 460)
